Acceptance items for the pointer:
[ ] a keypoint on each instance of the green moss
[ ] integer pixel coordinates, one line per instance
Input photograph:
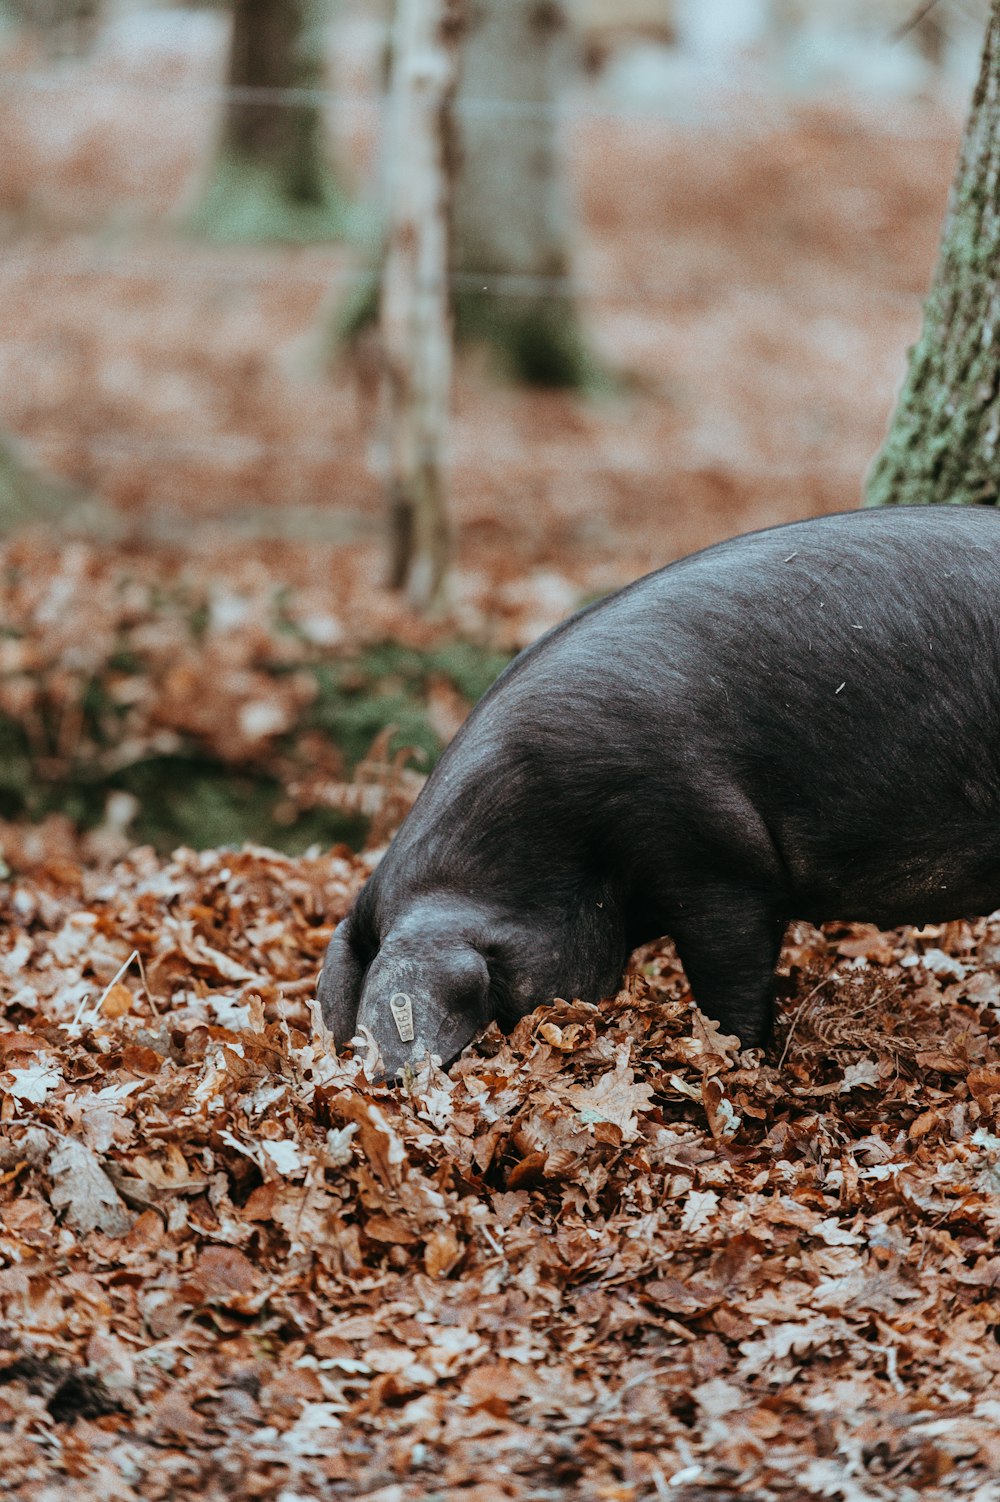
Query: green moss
(538, 342)
(192, 797)
(470, 667)
(17, 773)
(202, 803)
(388, 685)
(249, 204)
(358, 312)
(26, 497)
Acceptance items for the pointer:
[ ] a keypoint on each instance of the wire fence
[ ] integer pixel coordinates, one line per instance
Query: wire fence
(543, 457)
(756, 110)
(639, 292)
(501, 284)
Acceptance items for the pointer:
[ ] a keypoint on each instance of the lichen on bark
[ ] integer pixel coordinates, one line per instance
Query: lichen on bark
(943, 444)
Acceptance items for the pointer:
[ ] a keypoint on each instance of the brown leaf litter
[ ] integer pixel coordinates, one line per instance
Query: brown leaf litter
(606, 1257)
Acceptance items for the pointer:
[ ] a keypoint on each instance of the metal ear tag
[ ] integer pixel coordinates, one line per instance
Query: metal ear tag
(402, 1015)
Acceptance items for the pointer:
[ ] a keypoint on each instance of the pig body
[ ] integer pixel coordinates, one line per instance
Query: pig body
(799, 723)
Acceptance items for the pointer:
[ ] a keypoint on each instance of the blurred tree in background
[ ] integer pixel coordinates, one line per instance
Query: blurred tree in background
(944, 439)
(66, 28)
(30, 497)
(271, 179)
(512, 229)
(25, 496)
(512, 225)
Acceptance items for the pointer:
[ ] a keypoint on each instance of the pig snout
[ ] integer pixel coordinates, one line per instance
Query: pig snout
(418, 996)
(414, 1008)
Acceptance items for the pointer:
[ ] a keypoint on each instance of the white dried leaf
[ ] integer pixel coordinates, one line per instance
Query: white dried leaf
(263, 717)
(865, 1072)
(834, 1234)
(285, 1155)
(395, 1152)
(717, 1397)
(339, 1147)
(310, 1434)
(699, 1207)
(33, 1082)
(939, 963)
(82, 1188)
(14, 961)
(74, 939)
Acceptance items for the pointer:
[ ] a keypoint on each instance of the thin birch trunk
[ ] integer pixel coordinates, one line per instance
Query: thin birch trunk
(415, 316)
(943, 443)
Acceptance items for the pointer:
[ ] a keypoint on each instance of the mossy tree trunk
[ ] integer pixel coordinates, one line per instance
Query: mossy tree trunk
(513, 228)
(415, 317)
(271, 179)
(26, 497)
(66, 28)
(944, 439)
(31, 498)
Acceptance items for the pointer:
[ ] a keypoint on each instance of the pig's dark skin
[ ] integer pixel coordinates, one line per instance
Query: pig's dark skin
(799, 723)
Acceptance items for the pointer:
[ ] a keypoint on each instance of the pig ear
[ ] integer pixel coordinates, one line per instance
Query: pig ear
(340, 984)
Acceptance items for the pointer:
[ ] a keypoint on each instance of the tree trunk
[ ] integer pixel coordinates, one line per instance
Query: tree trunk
(31, 499)
(271, 179)
(415, 316)
(944, 437)
(66, 28)
(512, 221)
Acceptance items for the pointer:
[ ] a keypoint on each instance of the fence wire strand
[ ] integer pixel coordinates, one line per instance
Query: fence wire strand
(759, 112)
(233, 451)
(501, 284)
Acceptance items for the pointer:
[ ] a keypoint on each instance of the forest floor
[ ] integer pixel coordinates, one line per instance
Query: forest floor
(605, 1258)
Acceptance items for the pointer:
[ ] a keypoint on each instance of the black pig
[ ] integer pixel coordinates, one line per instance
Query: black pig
(799, 723)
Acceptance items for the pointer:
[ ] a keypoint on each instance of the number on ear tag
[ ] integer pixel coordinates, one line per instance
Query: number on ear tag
(402, 1015)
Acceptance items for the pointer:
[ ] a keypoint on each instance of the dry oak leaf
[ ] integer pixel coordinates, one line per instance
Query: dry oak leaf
(169, 1172)
(223, 1275)
(389, 1228)
(206, 957)
(32, 1082)
(82, 1188)
(117, 1001)
(678, 1297)
(442, 1252)
(615, 1097)
(699, 1207)
(708, 1045)
(380, 1145)
(867, 942)
(863, 1073)
(724, 1121)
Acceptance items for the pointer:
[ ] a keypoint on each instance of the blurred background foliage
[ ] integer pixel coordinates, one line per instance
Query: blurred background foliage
(689, 244)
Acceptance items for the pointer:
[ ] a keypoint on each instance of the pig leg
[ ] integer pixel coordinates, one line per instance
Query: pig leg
(729, 940)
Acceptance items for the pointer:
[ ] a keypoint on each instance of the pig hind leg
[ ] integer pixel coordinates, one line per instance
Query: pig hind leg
(729, 940)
